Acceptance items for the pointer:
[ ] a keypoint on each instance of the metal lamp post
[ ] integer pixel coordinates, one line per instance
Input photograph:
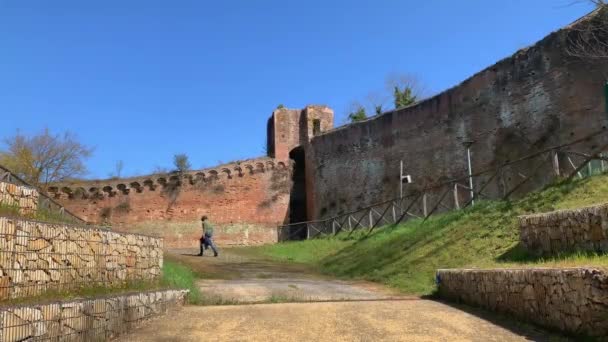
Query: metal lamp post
(467, 144)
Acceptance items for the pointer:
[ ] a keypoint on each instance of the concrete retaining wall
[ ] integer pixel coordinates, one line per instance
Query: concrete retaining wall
(36, 257)
(572, 300)
(25, 198)
(566, 230)
(85, 320)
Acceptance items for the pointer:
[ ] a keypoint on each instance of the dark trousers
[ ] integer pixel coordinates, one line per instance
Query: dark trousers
(206, 242)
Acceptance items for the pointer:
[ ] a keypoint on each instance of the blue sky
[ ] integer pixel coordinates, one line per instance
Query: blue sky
(143, 80)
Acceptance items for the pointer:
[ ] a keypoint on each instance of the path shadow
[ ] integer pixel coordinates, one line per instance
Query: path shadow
(529, 331)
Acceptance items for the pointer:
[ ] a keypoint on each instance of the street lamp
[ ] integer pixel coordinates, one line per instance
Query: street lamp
(467, 144)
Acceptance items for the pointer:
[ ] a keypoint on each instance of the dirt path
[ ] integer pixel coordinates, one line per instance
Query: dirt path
(241, 279)
(371, 313)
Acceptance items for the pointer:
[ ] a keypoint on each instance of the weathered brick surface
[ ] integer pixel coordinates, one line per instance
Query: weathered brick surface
(36, 257)
(584, 229)
(22, 197)
(572, 300)
(97, 319)
(537, 98)
(290, 128)
(253, 195)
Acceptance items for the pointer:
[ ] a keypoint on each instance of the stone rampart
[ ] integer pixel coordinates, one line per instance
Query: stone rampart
(535, 99)
(85, 320)
(572, 300)
(36, 257)
(584, 229)
(23, 197)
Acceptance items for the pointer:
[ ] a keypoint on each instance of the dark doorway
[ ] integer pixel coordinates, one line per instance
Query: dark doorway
(297, 198)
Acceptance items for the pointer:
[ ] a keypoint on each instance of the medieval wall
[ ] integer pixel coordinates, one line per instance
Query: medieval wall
(537, 98)
(241, 199)
(290, 128)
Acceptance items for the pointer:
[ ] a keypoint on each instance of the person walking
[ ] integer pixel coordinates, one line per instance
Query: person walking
(207, 238)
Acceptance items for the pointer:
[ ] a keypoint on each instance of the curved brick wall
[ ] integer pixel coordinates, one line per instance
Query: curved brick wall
(537, 98)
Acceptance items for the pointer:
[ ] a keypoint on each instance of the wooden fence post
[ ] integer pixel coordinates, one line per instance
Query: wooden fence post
(456, 203)
(556, 163)
(424, 211)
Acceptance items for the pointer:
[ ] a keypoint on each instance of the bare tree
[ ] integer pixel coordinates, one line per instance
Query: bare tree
(117, 170)
(588, 39)
(45, 158)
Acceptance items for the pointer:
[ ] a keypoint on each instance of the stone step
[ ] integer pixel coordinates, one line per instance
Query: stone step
(584, 229)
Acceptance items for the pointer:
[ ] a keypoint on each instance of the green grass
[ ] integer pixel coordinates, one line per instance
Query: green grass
(85, 292)
(174, 276)
(178, 275)
(407, 256)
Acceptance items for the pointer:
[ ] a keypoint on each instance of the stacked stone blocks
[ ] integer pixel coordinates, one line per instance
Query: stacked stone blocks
(23, 197)
(97, 319)
(584, 229)
(574, 300)
(36, 257)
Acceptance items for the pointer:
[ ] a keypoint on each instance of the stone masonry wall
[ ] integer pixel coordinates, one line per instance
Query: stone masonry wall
(85, 320)
(25, 198)
(583, 229)
(186, 234)
(537, 98)
(571, 300)
(36, 257)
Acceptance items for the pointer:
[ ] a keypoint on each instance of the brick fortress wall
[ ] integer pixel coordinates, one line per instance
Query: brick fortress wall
(537, 98)
(245, 200)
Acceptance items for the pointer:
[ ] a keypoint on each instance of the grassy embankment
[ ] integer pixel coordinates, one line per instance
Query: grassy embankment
(484, 236)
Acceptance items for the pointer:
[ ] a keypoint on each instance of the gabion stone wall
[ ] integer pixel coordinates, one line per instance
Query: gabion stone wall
(25, 198)
(85, 320)
(566, 230)
(36, 257)
(573, 300)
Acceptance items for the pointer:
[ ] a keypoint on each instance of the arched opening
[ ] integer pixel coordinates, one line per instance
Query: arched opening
(297, 197)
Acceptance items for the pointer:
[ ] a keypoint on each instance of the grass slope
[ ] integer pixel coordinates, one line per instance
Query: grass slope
(407, 256)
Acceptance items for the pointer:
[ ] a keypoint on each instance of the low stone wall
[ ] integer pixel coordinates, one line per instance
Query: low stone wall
(572, 300)
(566, 230)
(187, 234)
(36, 257)
(85, 320)
(25, 198)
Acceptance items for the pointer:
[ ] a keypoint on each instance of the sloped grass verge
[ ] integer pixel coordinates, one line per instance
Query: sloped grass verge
(484, 236)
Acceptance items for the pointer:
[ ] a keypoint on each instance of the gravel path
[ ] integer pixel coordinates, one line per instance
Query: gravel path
(337, 311)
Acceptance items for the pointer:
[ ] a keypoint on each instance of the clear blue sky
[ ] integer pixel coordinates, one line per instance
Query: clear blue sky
(143, 80)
